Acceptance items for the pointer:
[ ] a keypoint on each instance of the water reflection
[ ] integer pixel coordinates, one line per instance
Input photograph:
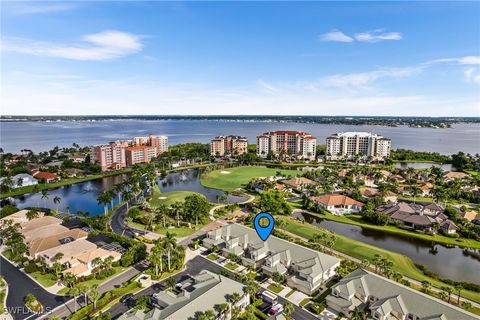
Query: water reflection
(449, 262)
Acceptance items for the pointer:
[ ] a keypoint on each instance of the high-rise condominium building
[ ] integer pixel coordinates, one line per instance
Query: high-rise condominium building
(366, 145)
(119, 154)
(228, 145)
(140, 154)
(159, 142)
(109, 156)
(298, 144)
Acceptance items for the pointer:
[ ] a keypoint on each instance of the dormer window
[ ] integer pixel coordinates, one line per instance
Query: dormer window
(411, 316)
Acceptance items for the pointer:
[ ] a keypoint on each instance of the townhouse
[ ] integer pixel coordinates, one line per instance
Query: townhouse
(305, 269)
(384, 299)
(192, 296)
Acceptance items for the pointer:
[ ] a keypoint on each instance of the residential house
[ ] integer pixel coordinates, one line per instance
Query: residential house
(38, 245)
(305, 269)
(454, 175)
(192, 296)
(21, 180)
(448, 227)
(69, 250)
(45, 176)
(73, 172)
(470, 215)
(385, 299)
(83, 264)
(299, 183)
(418, 217)
(338, 203)
(426, 189)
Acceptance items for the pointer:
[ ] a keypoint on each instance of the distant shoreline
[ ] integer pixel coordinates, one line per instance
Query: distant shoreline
(414, 122)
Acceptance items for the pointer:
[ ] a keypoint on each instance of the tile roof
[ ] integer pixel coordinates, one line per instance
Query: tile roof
(336, 199)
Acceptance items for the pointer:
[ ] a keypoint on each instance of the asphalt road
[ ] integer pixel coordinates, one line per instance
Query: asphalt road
(20, 285)
(193, 267)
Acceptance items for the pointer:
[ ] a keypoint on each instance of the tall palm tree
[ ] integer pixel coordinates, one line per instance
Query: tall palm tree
(32, 214)
(56, 201)
(104, 199)
(44, 197)
(127, 196)
(74, 292)
(156, 257)
(94, 294)
(169, 243)
(458, 288)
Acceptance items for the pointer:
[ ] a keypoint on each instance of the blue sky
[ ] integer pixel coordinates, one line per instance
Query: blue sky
(316, 58)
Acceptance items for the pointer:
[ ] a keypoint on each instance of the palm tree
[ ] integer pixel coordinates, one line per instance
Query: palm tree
(128, 196)
(156, 257)
(169, 243)
(74, 292)
(56, 265)
(466, 305)
(426, 286)
(56, 201)
(458, 288)
(358, 314)
(149, 216)
(288, 309)
(448, 290)
(104, 199)
(94, 294)
(177, 208)
(32, 214)
(171, 282)
(45, 197)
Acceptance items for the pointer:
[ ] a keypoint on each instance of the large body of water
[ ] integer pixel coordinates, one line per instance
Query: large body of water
(83, 196)
(42, 136)
(450, 263)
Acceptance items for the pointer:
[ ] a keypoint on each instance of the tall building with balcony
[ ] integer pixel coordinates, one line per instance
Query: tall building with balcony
(140, 154)
(287, 144)
(159, 142)
(365, 145)
(109, 156)
(228, 145)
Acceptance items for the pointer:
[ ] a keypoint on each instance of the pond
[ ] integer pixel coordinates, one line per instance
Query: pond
(452, 263)
(423, 165)
(83, 196)
(189, 180)
(73, 198)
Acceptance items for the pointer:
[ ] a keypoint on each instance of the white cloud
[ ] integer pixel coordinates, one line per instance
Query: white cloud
(472, 75)
(467, 60)
(105, 45)
(266, 87)
(368, 36)
(352, 80)
(25, 8)
(377, 35)
(337, 36)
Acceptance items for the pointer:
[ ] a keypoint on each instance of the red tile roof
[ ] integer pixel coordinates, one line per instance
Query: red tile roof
(336, 199)
(45, 175)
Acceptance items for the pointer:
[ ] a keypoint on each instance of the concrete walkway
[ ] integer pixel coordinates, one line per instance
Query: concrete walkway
(212, 217)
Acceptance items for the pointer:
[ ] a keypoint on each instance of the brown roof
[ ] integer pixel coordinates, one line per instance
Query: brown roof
(336, 199)
(89, 256)
(425, 186)
(70, 250)
(369, 192)
(42, 244)
(298, 181)
(45, 175)
(455, 175)
(471, 215)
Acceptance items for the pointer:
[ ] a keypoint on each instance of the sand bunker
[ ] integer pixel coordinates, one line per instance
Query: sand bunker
(225, 172)
(162, 198)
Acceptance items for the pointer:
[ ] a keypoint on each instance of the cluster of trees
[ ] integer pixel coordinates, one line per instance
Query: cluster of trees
(410, 155)
(166, 255)
(191, 152)
(274, 202)
(465, 228)
(194, 209)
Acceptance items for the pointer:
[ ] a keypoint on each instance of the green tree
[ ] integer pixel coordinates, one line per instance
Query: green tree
(273, 202)
(196, 208)
(56, 201)
(94, 295)
(32, 214)
(288, 309)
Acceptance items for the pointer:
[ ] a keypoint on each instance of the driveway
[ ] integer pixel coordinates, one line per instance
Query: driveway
(20, 285)
(193, 267)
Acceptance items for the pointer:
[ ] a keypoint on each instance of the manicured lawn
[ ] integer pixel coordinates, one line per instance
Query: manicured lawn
(231, 266)
(240, 176)
(290, 293)
(275, 287)
(473, 173)
(417, 199)
(360, 250)
(63, 182)
(90, 283)
(46, 280)
(213, 256)
(355, 219)
(168, 198)
(179, 232)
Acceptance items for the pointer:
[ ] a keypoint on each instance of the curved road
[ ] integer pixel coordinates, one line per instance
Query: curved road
(19, 285)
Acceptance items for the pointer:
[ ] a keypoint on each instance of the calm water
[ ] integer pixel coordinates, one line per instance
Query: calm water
(452, 263)
(83, 196)
(42, 136)
(80, 196)
(190, 180)
(423, 165)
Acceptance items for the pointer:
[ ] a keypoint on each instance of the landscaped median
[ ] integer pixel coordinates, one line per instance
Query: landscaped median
(360, 250)
(356, 219)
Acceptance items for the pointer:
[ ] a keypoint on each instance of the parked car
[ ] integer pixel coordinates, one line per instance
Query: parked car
(126, 297)
(276, 309)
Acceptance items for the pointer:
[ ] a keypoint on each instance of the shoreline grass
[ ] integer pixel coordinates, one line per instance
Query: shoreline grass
(360, 250)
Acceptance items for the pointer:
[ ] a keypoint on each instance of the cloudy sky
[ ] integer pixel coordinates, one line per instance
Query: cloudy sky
(315, 58)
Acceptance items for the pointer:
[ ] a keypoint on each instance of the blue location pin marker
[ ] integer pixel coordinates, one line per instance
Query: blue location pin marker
(264, 232)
